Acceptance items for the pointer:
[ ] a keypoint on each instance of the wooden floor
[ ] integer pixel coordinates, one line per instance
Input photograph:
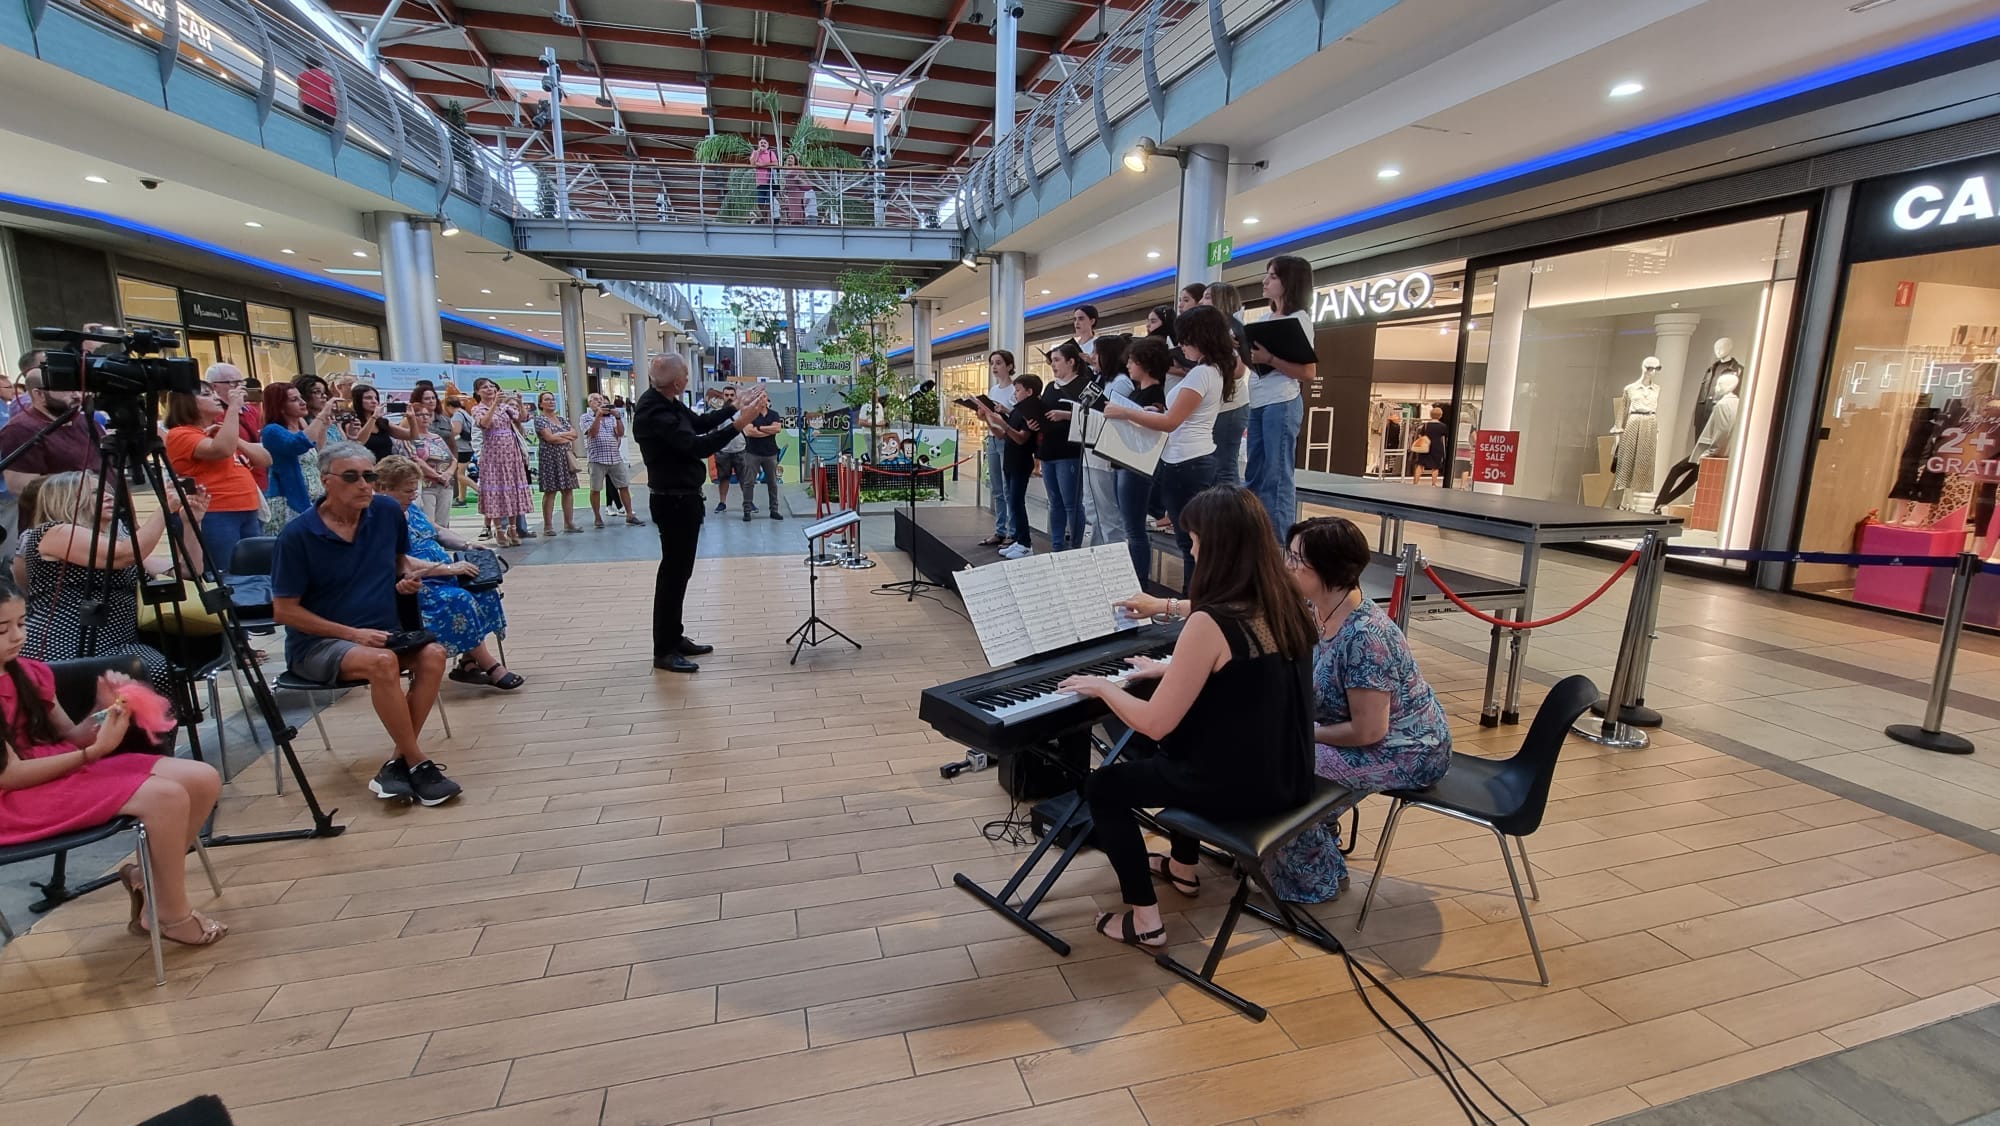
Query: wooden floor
(728, 899)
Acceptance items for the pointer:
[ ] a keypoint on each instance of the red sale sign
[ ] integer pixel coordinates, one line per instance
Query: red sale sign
(1494, 453)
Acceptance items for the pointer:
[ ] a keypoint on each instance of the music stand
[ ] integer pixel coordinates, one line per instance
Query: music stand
(817, 629)
(916, 584)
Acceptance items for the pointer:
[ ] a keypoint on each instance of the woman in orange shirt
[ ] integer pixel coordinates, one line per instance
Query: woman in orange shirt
(204, 442)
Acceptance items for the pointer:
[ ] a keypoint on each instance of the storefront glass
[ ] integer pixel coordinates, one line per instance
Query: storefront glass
(1909, 457)
(337, 344)
(1640, 375)
(1388, 349)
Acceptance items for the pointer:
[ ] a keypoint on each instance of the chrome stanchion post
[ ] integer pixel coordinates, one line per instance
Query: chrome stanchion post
(1408, 568)
(1932, 736)
(1650, 576)
(1610, 731)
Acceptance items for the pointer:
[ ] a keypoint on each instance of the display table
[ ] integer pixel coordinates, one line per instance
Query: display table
(1532, 524)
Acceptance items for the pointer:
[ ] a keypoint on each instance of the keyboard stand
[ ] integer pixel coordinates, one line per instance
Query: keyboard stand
(1074, 815)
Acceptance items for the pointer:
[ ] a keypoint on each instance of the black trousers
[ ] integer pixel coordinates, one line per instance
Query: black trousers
(1114, 793)
(1679, 479)
(678, 518)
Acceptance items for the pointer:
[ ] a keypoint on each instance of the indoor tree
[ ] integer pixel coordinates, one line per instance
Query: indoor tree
(858, 327)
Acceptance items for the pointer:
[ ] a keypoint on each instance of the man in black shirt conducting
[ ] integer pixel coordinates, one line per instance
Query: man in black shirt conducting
(676, 443)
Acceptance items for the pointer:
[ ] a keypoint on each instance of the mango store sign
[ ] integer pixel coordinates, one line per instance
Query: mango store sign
(1376, 297)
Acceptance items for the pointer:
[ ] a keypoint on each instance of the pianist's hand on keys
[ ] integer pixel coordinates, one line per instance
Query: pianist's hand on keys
(1138, 668)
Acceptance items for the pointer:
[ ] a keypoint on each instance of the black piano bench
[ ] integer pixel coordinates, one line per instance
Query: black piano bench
(1249, 842)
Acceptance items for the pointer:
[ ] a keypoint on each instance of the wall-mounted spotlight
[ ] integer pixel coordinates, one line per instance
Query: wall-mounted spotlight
(1142, 154)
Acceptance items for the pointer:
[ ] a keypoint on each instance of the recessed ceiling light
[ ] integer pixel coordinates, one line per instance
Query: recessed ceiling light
(1092, 277)
(1251, 220)
(1388, 173)
(252, 223)
(982, 312)
(1627, 89)
(1045, 293)
(95, 179)
(485, 291)
(288, 250)
(529, 304)
(493, 318)
(360, 254)
(961, 320)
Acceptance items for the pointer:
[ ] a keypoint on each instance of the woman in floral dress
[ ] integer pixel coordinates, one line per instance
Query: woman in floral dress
(503, 468)
(555, 438)
(1378, 725)
(461, 619)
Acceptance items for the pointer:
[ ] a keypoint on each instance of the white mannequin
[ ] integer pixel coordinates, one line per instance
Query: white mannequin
(1720, 432)
(1639, 436)
(1643, 394)
(1725, 349)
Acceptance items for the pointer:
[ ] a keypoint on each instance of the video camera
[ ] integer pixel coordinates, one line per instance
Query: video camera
(132, 368)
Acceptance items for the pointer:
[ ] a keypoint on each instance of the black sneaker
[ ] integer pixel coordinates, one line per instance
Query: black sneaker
(722, 506)
(430, 785)
(776, 515)
(392, 782)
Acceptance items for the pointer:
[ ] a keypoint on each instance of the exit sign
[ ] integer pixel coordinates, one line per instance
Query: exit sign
(1218, 251)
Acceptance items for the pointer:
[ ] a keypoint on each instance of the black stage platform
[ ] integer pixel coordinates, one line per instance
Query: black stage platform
(947, 540)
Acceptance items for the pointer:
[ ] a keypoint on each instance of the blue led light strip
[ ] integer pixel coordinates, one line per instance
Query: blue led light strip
(1916, 51)
(242, 259)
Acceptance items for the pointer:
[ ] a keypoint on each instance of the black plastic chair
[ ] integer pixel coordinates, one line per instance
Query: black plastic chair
(1505, 796)
(1250, 842)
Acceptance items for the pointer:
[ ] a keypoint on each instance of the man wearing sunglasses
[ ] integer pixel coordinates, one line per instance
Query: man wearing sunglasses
(335, 578)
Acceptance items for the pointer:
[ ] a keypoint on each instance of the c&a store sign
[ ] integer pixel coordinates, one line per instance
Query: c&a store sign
(1951, 207)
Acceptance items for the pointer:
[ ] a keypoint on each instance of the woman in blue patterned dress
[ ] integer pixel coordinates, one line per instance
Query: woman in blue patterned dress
(461, 619)
(1378, 725)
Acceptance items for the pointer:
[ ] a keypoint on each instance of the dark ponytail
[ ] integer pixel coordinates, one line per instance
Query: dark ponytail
(31, 713)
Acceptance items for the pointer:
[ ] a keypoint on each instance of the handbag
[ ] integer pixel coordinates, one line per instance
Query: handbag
(188, 617)
(491, 568)
(1421, 444)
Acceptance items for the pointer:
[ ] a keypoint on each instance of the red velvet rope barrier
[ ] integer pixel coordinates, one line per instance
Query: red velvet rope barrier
(1539, 622)
(1396, 592)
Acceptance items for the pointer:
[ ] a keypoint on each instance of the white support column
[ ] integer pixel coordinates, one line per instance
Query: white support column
(635, 324)
(1204, 204)
(576, 364)
(1006, 68)
(1007, 298)
(409, 288)
(923, 318)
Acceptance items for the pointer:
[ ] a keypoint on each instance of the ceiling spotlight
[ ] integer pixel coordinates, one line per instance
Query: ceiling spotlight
(252, 223)
(450, 229)
(485, 291)
(1152, 254)
(529, 304)
(1092, 277)
(1251, 220)
(1388, 173)
(1627, 89)
(1045, 293)
(1142, 154)
(288, 250)
(969, 260)
(360, 254)
(95, 179)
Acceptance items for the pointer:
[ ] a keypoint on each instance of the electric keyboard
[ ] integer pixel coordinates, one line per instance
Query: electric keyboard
(1009, 709)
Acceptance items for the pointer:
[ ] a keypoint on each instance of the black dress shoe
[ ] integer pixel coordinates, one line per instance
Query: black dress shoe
(676, 663)
(689, 648)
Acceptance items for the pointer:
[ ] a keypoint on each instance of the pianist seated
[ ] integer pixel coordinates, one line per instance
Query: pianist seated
(1377, 724)
(461, 619)
(1232, 713)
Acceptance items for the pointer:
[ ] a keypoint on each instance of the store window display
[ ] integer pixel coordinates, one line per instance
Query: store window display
(1640, 376)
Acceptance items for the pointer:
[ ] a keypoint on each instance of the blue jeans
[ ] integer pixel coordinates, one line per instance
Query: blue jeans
(996, 481)
(1133, 489)
(1100, 484)
(1180, 481)
(1229, 426)
(221, 530)
(1062, 480)
(1274, 439)
(1017, 506)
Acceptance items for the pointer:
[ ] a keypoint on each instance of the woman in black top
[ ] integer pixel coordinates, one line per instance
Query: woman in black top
(1017, 429)
(1144, 384)
(1232, 714)
(1062, 458)
(1431, 434)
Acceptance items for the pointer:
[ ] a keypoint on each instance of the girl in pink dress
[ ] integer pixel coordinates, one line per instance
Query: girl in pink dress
(57, 776)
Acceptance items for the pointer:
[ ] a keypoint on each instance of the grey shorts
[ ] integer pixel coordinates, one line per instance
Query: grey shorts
(319, 660)
(602, 474)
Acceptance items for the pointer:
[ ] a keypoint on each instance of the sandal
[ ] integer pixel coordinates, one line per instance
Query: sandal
(600, 522)
(211, 932)
(993, 541)
(136, 888)
(572, 530)
(506, 683)
(1187, 886)
(1153, 938)
(469, 673)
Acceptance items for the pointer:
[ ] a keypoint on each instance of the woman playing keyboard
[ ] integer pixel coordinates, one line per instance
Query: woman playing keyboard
(1232, 713)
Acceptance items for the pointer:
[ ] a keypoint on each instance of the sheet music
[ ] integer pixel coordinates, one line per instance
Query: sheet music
(1022, 607)
(996, 616)
(1126, 443)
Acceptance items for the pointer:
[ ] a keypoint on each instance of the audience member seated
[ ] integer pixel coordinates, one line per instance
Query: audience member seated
(57, 557)
(205, 442)
(26, 508)
(335, 576)
(58, 776)
(1378, 724)
(462, 619)
(1232, 714)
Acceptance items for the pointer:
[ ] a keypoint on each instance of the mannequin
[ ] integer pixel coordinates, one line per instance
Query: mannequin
(1636, 459)
(1717, 436)
(1725, 364)
(1914, 495)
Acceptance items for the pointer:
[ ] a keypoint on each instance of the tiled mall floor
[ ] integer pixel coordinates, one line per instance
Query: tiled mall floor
(727, 899)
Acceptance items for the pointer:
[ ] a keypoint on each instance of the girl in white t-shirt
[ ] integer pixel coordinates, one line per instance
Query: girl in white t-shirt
(1235, 417)
(1187, 462)
(1276, 407)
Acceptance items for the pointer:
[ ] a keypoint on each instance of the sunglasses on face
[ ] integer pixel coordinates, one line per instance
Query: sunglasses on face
(353, 475)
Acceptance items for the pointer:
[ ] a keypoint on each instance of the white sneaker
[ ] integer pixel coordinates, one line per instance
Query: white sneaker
(1016, 551)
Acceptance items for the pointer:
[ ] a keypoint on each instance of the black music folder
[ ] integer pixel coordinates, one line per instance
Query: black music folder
(1049, 354)
(1283, 337)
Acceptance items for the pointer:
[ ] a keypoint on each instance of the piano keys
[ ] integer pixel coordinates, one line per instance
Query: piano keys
(1011, 709)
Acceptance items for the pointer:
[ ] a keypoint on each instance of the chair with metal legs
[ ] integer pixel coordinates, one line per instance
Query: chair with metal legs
(313, 689)
(1503, 796)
